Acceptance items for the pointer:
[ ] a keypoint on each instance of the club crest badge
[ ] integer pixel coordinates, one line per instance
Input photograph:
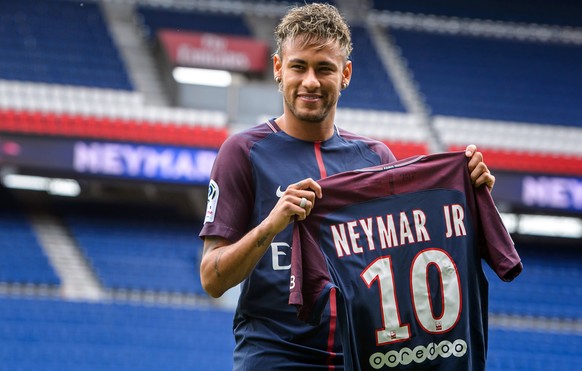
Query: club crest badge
(212, 202)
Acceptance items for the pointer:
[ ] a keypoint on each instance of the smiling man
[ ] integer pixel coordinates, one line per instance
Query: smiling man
(313, 75)
(263, 179)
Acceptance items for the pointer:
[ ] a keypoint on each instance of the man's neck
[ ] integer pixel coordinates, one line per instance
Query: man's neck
(308, 131)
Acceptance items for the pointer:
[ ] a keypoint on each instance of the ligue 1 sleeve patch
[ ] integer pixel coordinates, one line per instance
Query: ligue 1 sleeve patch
(212, 202)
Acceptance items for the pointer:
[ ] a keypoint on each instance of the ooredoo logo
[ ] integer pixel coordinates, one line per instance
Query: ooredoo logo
(419, 354)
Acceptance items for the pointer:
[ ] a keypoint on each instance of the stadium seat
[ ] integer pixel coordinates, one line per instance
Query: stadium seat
(57, 335)
(497, 79)
(127, 247)
(22, 260)
(59, 42)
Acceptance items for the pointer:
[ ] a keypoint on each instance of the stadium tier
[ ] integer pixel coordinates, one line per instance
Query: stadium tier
(156, 18)
(59, 42)
(110, 128)
(127, 245)
(22, 260)
(370, 87)
(512, 350)
(504, 80)
(475, 78)
(46, 334)
(437, 76)
(550, 286)
(560, 12)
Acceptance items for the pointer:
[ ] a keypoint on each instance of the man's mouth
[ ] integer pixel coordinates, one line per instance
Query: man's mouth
(309, 97)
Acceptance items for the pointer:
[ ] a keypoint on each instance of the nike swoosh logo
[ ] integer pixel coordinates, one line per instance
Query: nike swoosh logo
(279, 192)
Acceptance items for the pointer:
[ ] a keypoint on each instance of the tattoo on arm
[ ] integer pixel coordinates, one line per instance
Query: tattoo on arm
(263, 240)
(216, 262)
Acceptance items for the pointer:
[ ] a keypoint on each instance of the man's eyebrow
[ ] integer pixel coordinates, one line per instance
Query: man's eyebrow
(296, 60)
(301, 61)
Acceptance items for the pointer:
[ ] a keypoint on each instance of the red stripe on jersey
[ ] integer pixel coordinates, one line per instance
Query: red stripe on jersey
(332, 326)
(322, 172)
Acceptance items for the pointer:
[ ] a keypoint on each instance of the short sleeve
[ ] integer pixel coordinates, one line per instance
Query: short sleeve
(497, 247)
(231, 196)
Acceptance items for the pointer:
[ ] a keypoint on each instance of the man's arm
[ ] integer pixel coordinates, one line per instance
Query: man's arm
(225, 264)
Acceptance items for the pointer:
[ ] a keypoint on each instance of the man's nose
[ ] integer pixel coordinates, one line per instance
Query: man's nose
(311, 81)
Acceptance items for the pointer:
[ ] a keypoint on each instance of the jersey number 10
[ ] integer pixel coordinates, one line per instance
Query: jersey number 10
(394, 330)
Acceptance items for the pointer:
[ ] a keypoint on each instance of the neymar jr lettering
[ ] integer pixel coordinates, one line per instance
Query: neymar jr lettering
(393, 230)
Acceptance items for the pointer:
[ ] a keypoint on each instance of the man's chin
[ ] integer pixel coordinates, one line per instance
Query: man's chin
(314, 117)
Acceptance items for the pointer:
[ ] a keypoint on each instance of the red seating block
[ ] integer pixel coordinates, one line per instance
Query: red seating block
(106, 128)
(530, 162)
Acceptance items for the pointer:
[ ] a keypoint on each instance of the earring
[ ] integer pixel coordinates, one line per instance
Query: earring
(344, 85)
(278, 79)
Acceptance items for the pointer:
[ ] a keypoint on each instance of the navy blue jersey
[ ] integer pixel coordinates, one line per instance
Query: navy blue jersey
(251, 169)
(400, 247)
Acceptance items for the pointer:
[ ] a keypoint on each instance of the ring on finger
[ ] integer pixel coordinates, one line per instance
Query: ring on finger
(303, 202)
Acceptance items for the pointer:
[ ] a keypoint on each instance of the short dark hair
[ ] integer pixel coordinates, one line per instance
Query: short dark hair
(317, 24)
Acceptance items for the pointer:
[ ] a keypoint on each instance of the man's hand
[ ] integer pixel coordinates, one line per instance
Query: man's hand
(480, 174)
(295, 204)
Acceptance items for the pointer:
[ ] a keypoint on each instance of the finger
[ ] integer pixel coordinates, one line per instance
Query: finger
(471, 148)
(309, 184)
(491, 182)
(294, 196)
(303, 202)
(481, 175)
(479, 169)
(302, 208)
(487, 178)
(297, 201)
(308, 194)
(307, 203)
(475, 161)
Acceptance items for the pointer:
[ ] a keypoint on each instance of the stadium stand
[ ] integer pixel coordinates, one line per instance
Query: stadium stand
(126, 246)
(94, 98)
(561, 12)
(58, 42)
(550, 287)
(490, 79)
(48, 334)
(22, 260)
(370, 87)
(128, 129)
(61, 74)
(533, 350)
(155, 18)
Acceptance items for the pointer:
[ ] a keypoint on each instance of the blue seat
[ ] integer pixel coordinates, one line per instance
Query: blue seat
(137, 249)
(533, 350)
(559, 12)
(58, 335)
(370, 87)
(155, 18)
(59, 42)
(495, 79)
(22, 260)
(550, 285)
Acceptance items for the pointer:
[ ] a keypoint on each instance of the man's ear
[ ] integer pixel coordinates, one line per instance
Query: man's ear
(347, 73)
(277, 66)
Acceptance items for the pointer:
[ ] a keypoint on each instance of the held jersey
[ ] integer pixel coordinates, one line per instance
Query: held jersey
(401, 248)
(251, 170)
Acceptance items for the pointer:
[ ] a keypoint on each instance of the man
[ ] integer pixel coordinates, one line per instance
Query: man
(263, 179)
